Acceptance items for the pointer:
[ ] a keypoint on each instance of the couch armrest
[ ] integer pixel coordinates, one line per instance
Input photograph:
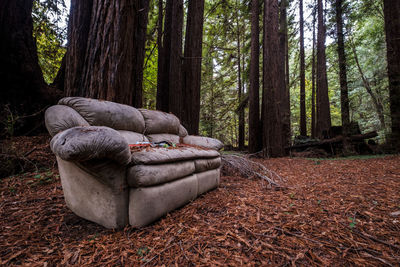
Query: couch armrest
(91, 142)
(206, 142)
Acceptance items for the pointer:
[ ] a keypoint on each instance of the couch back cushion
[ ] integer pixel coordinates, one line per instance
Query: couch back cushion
(133, 137)
(173, 138)
(106, 113)
(160, 122)
(59, 118)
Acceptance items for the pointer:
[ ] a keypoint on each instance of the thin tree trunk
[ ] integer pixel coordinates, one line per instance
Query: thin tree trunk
(323, 109)
(378, 105)
(344, 95)
(175, 66)
(142, 11)
(241, 110)
(254, 98)
(303, 122)
(392, 29)
(192, 67)
(161, 103)
(313, 118)
(283, 87)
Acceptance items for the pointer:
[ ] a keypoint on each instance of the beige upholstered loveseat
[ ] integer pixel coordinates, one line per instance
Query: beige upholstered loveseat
(104, 182)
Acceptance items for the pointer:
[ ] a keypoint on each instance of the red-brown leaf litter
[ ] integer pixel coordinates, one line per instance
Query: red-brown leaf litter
(333, 212)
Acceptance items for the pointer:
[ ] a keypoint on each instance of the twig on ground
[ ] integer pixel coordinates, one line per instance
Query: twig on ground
(248, 168)
(367, 236)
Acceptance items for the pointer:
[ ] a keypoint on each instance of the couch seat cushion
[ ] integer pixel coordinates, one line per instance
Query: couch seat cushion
(148, 175)
(152, 156)
(202, 165)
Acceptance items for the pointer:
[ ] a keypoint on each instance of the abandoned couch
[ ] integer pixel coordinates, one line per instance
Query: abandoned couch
(104, 182)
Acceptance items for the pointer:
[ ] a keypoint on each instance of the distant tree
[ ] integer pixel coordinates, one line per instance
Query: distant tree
(254, 98)
(344, 92)
(106, 50)
(392, 29)
(323, 122)
(241, 125)
(284, 74)
(160, 57)
(375, 99)
(49, 31)
(303, 122)
(313, 93)
(191, 69)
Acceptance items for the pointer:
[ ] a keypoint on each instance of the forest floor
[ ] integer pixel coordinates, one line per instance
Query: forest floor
(333, 212)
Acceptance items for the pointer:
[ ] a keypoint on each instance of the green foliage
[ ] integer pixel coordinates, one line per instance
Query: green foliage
(224, 20)
(352, 223)
(150, 67)
(364, 26)
(49, 30)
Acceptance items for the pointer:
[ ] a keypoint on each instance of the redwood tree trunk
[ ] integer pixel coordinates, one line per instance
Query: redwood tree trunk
(191, 69)
(313, 115)
(78, 34)
(141, 19)
(161, 103)
(169, 98)
(105, 55)
(323, 109)
(23, 88)
(241, 110)
(392, 28)
(344, 93)
(283, 81)
(272, 124)
(254, 98)
(303, 122)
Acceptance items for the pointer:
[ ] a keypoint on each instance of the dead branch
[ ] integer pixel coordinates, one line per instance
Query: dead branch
(249, 168)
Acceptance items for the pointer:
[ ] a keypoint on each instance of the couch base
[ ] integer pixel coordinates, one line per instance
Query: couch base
(94, 200)
(147, 204)
(90, 199)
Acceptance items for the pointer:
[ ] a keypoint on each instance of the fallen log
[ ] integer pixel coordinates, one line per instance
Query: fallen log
(338, 139)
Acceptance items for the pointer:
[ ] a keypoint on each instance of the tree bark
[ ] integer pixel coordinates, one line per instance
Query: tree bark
(78, 34)
(241, 110)
(169, 98)
(272, 125)
(283, 70)
(313, 93)
(344, 94)
(191, 69)
(141, 20)
(106, 50)
(323, 123)
(161, 103)
(254, 98)
(392, 29)
(23, 89)
(303, 121)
